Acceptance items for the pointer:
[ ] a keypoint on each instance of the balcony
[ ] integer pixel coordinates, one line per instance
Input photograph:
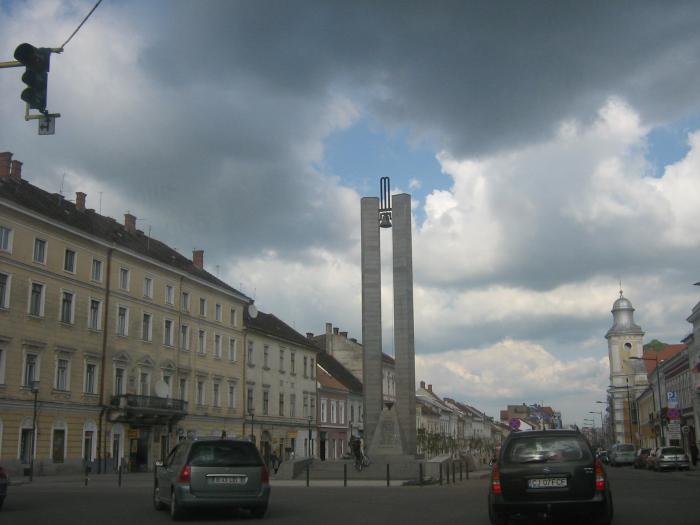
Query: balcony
(146, 410)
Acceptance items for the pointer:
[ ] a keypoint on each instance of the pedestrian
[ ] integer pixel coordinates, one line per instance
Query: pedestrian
(274, 461)
(694, 453)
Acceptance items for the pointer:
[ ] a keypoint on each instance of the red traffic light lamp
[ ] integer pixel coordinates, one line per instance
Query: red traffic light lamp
(36, 60)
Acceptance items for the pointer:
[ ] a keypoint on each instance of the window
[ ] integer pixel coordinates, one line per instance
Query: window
(146, 327)
(5, 239)
(217, 346)
(281, 359)
(200, 392)
(305, 364)
(31, 367)
(281, 407)
(251, 407)
(266, 356)
(90, 378)
(169, 294)
(202, 306)
(119, 381)
(148, 287)
(96, 270)
(40, 251)
(94, 321)
(313, 368)
(67, 307)
(36, 300)
(144, 383)
(232, 350)
(218, 312)
(341, 412)
(168, 380)
(202, 342)
(292, 364)
(123, 278)
(324, 410)
(122, 321)
(61, 374)
(250, 353)
(292, 405)
(233, 317)
(168, 332)
(69, 261)
(4, 290)
(183, 388)
(185, 302)
(232, 395)
(313, 405)
(215, 391)
(266, 402)
(184, 337)
(306, 405)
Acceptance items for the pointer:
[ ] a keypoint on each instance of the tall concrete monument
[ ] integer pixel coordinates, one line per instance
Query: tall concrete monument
(388, 430)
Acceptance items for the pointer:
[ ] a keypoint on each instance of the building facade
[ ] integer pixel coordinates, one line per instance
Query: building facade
(280, 378)
(333, 429)
(112, 345)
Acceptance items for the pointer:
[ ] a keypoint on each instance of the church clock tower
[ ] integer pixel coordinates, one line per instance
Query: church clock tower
(628, 377)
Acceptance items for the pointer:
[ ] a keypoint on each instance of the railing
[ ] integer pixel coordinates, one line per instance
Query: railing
(157, 403)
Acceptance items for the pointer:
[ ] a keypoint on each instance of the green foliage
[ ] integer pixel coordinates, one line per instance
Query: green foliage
(654, 346)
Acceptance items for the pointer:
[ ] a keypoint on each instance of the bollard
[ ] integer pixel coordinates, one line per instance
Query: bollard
(440, 466)
(420, 474)
(119, 472)
(387, 476)
(453, 472)
(345, 474)
(307, 474)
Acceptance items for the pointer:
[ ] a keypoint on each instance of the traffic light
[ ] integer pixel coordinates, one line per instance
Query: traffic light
(36, 60)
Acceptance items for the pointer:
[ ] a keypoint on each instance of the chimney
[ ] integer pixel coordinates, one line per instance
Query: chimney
(344, 334)
(16, 170)
(430, 388)
(422, 385)
(335, 330)
(130, 222)
(329, 328)
(80, 200)
(309, 335)
(5, 159)
(198, 258)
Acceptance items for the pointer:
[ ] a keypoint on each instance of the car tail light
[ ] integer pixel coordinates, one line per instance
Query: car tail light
(264, 475)
(496, 480)
(599, 477)
(185, 474)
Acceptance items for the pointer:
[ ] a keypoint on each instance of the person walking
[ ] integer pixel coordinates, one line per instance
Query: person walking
(274, 461)
(694, 453)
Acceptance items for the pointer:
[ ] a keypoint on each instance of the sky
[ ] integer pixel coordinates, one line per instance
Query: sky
(551, 150)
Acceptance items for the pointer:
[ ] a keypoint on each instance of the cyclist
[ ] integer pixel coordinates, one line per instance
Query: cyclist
(356, 447)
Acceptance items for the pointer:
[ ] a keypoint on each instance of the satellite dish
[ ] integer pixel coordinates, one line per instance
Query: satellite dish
(252, 311)
(162, 389)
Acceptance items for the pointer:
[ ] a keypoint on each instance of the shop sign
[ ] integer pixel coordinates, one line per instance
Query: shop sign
(292, 434)
(133, 433)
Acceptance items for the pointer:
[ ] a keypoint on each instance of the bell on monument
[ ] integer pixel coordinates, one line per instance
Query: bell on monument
(385, 220)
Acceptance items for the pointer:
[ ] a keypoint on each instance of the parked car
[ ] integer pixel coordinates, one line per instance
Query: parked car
(603, 456)
(640, 458)
(549, 472)
(212, 473)
(4, 482)
(671, 458)
(621, 454)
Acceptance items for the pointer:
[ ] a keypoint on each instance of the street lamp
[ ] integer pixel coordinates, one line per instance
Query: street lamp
(251, 412)
(309, 448)
(35, 391)
(658, 389)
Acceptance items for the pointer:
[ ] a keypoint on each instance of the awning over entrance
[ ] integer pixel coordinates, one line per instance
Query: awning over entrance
(147, 410)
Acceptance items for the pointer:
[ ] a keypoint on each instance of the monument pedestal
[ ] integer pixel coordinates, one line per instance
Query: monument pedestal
(386, 440)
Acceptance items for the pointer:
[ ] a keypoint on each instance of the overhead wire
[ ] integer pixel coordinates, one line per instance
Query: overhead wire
(81, 24)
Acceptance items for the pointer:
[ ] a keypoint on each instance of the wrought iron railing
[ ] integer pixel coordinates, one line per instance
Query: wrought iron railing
(157, 403)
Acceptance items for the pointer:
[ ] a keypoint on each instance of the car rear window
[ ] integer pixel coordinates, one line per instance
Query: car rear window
(224, 454)
(672, 450)
(541, 449)
(626, 448)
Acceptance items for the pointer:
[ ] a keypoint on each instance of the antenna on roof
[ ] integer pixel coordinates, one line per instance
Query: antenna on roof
(100, 212)
(63, 179)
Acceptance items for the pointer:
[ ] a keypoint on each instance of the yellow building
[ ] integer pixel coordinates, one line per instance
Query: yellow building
(112, 344)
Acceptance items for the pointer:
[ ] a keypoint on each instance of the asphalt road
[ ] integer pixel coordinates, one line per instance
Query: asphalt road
(641, 498)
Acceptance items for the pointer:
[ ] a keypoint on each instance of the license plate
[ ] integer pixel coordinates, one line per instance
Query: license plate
(229, 480)
(546, 483)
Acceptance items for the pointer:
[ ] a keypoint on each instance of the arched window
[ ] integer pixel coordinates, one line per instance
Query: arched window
(117, 447)
(89, 449)
(26, 446)
(59, 440)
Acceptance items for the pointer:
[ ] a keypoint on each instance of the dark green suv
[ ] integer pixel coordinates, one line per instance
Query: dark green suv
(549, 472)
(212, 473)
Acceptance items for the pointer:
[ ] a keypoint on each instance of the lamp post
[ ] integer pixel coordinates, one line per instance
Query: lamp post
(629, 408)
(251, 412)
(658, 389)
(35, 391)
(309, 448)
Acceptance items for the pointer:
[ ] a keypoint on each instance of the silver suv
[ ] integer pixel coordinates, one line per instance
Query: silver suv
(621, 454)
(212, 473)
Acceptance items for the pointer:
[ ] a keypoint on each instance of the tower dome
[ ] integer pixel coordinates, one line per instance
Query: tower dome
(623, 319)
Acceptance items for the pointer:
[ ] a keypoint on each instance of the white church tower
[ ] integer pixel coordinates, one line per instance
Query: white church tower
(628, 377)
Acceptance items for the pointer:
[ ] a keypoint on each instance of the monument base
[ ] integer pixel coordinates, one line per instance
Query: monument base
(386, 440)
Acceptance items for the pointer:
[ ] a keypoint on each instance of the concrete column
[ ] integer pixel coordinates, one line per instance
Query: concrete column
(371, 315)
(404, 346)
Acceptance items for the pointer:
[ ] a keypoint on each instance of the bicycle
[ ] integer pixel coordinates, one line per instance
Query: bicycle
(362, 462)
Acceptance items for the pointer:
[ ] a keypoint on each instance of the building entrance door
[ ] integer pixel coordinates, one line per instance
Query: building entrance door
(25, 451)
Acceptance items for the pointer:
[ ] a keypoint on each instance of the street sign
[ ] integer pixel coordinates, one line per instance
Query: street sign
(674, 413)
(674, 430)
(47, 125)
(515, 423)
